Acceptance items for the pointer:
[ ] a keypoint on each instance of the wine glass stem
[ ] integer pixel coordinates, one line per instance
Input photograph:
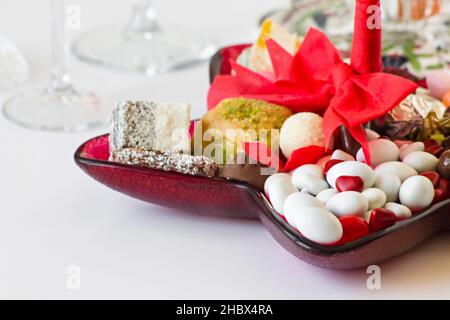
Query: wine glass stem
(60, 78)
(143, 17)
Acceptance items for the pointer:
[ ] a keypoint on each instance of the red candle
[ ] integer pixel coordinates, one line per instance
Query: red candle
(366, 47)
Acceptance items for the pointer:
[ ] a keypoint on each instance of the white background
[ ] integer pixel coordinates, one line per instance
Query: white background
(52, 215)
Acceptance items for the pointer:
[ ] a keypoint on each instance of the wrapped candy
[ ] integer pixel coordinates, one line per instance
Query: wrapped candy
(435, 128)
(446, 143)
(402, 122)
(407, 120)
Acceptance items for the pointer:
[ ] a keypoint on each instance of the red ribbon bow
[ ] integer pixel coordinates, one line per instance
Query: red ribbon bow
(317, 80)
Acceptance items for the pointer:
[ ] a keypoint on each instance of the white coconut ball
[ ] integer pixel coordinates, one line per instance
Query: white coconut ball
(301, 130)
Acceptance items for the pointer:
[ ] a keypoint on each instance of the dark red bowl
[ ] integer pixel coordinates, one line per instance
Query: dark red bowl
(221, 197)
(220, 61)
(209, 196)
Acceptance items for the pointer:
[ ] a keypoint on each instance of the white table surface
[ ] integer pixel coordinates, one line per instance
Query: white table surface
(52, 215)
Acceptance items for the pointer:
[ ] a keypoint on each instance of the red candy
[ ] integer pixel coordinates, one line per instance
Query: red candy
(381, 218)
(353, 228)
(434, 177)
(349, 183)
(433, 147)
(444, 184)
(442, 192)
(417, 211)
(330, 164)
(440, 195)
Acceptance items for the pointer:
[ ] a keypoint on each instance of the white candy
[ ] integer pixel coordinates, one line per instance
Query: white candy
(400, 210)
(326, 195)
(318, 225)
(400, 169)
(313, 184)
(376, 197)
(372, 135)
(273, 178)
(408, 148)
(295, 202)
(390, 184)
(323, 161)
(421, 161)
(348, 203)
(351, 168)
(301, 130)
(417, 192)
(341, 155)
(308, 168)
(278, 191)
(381, 151)
(301, 174)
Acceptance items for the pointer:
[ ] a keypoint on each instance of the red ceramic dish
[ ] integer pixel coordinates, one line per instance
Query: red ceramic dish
(220, 61)
(221, 197)
(209, 196)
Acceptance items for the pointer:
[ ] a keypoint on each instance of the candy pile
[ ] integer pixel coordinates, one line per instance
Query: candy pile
(341, 199)
(289, 119)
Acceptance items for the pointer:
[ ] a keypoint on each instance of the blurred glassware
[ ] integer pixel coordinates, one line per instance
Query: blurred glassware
(13, 66)
(334, 17)
(143, 45)
(418, 30)
(408, 14)
(58, 107)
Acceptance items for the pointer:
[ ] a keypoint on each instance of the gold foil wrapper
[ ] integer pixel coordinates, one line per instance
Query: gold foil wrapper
(415, 117)
(435, 128)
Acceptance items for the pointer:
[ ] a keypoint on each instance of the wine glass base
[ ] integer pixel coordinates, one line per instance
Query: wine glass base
(147, 53)
(68, 110)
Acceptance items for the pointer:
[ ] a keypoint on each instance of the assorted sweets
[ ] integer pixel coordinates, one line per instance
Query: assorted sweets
(158, 136)
(340, 150)
(234, 121)
(343, 198)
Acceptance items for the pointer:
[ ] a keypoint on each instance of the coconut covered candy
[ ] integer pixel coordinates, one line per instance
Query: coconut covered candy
(156, 135)
(150, 126)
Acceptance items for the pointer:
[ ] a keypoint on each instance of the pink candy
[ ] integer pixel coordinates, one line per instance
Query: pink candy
(438, 83)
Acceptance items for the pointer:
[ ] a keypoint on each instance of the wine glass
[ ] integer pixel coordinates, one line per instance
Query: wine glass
(58, 107)
(13, 66)
(143, 45)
